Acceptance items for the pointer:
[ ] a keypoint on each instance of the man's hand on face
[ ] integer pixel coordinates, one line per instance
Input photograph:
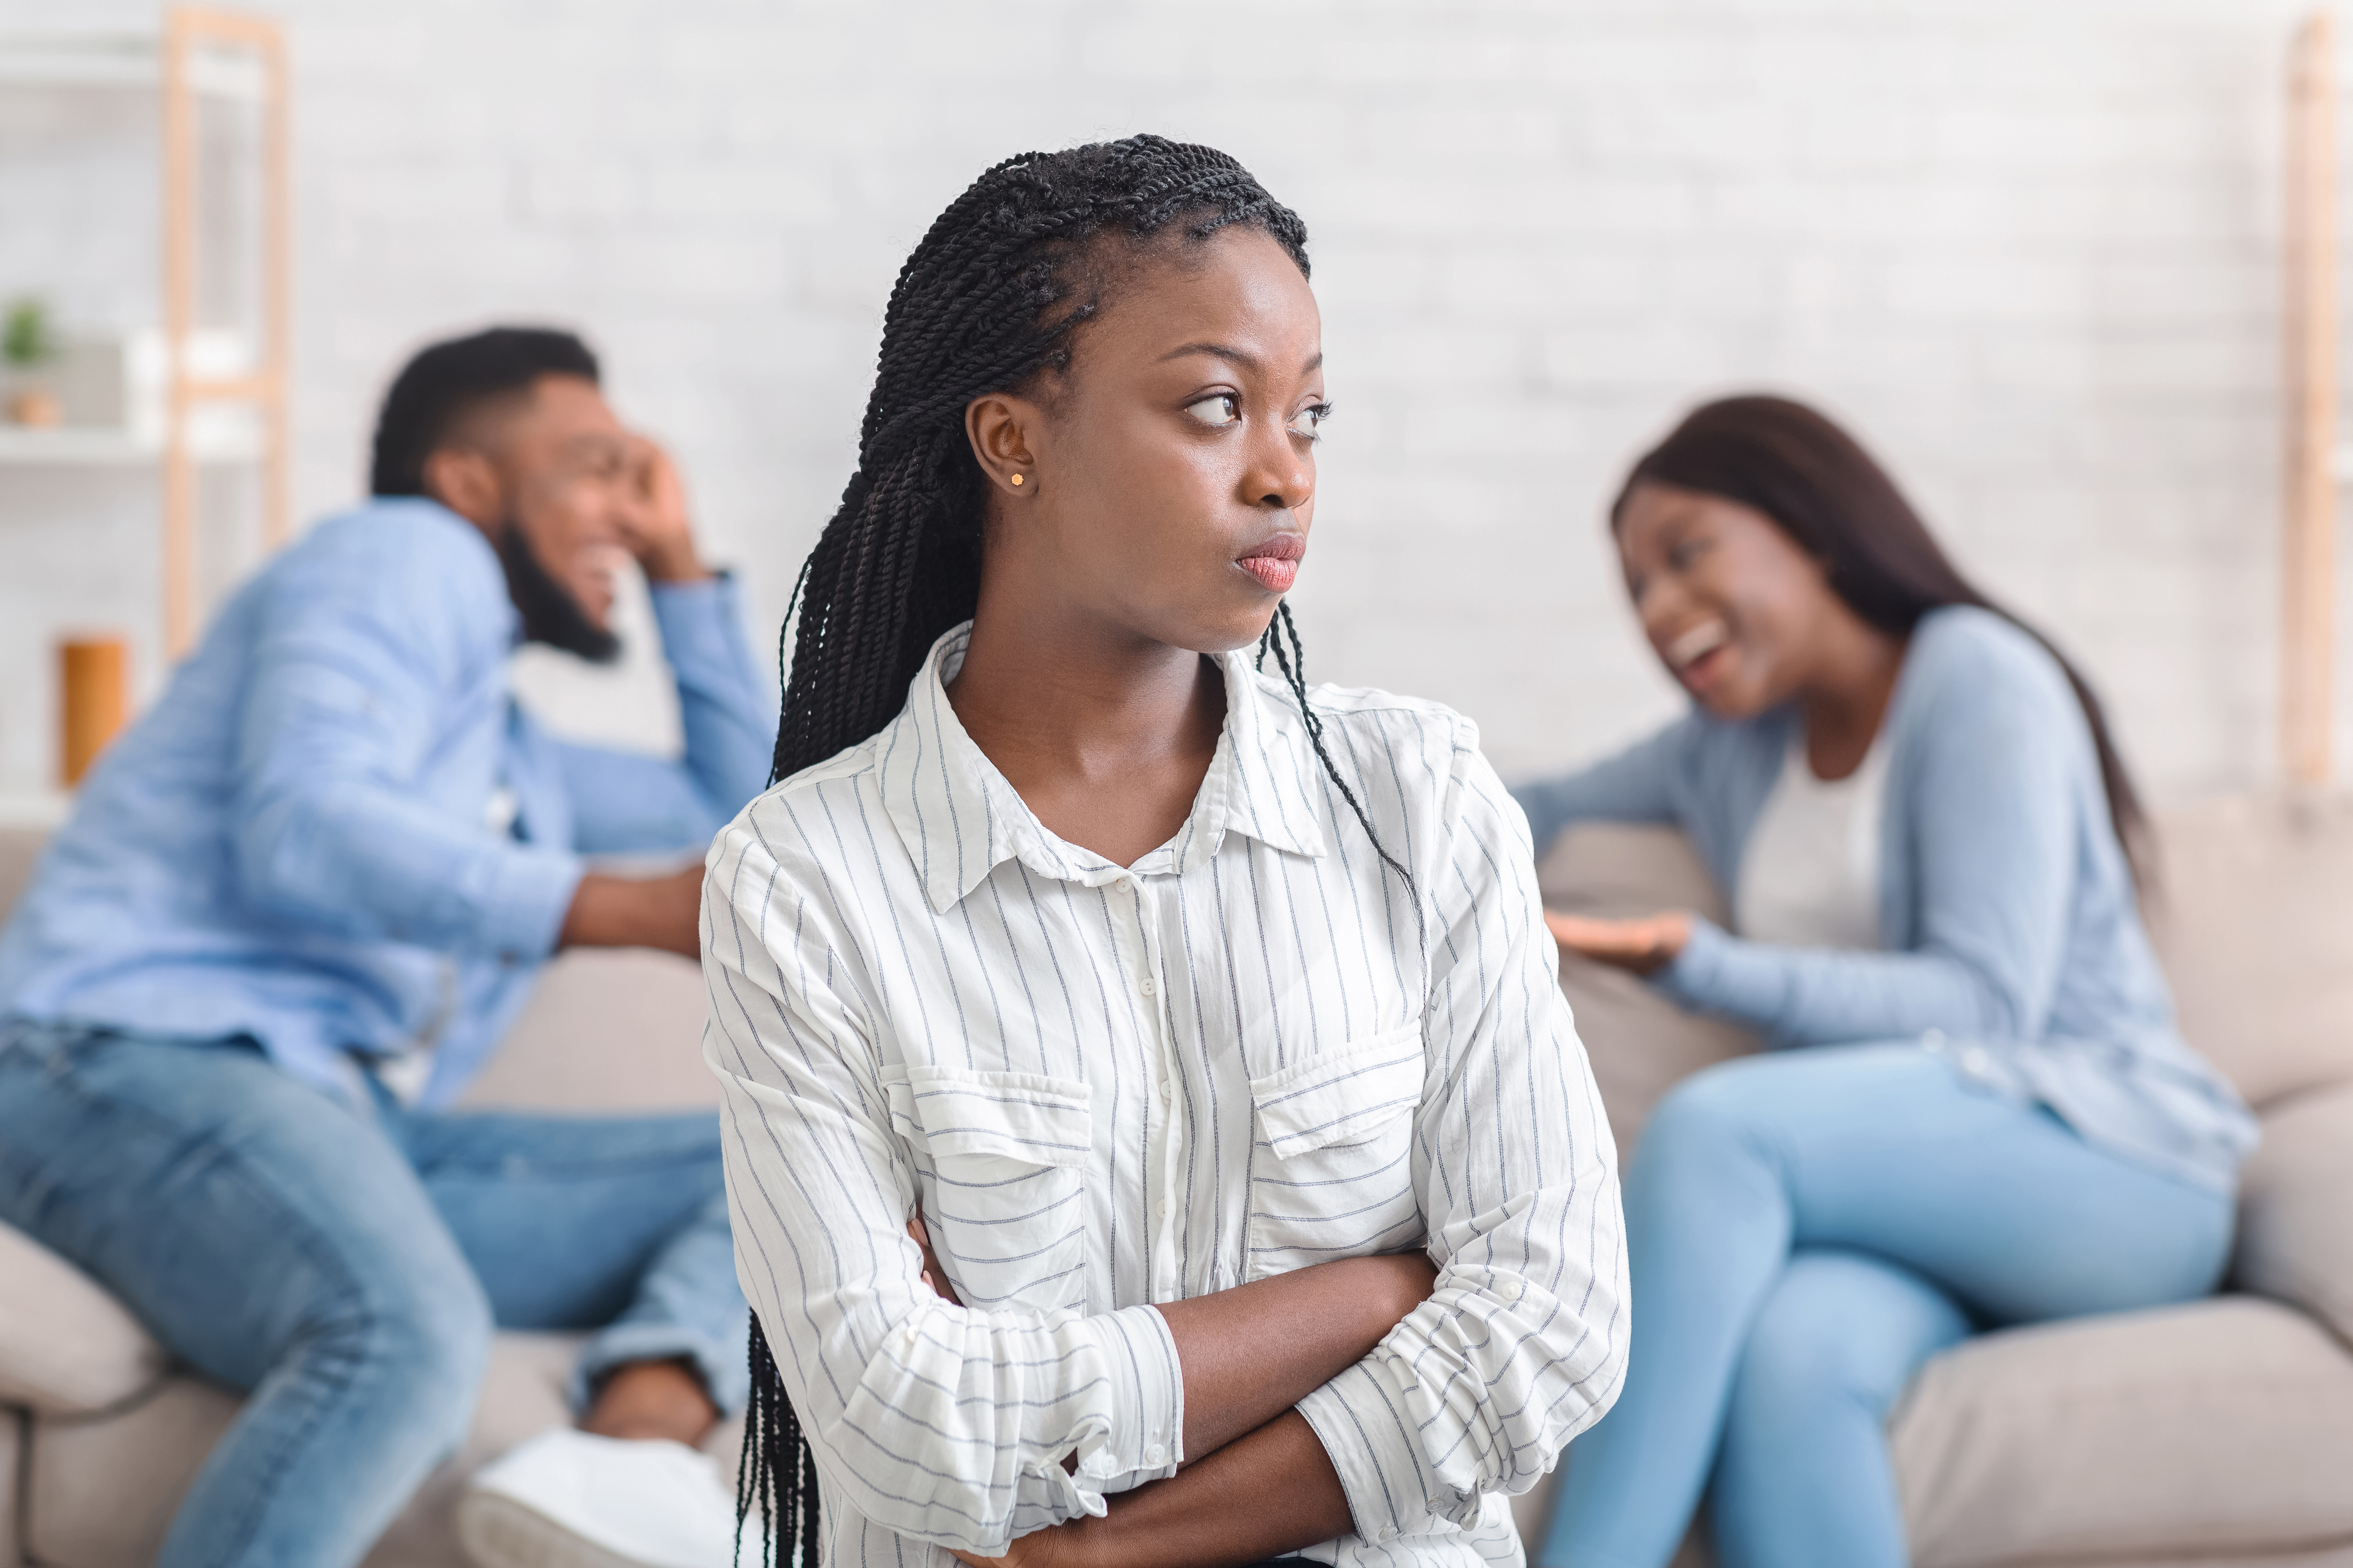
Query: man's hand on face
(654, 523)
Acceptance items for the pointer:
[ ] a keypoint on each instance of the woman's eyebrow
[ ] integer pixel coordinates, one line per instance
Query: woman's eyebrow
(1237, 356)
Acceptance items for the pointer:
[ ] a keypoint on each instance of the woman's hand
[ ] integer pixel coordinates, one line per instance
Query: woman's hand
(934, 1275)
(1643, 946)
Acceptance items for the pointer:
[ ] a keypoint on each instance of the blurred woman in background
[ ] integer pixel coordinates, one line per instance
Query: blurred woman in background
(1926, 836)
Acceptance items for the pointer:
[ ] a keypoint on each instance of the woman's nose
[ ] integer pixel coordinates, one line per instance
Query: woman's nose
(1658, 605)
(1279, 478)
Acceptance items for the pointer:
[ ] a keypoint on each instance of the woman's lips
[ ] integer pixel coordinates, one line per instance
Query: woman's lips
(1277, 575)
(1700, 655)
(1700, 673)
(1275, 563)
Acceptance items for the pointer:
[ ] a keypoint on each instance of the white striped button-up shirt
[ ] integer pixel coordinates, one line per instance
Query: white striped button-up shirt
(1110, 1086)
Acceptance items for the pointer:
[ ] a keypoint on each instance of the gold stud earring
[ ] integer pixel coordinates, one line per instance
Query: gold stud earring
(1017, 479)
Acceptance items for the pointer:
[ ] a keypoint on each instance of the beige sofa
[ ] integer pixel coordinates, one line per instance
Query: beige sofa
(2214, 1434)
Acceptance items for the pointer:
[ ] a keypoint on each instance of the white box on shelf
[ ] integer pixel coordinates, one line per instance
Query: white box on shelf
(115, 395)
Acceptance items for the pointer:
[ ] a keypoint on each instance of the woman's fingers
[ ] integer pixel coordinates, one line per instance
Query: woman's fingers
(932, 1274)
(1640, 945)
(1596, 938)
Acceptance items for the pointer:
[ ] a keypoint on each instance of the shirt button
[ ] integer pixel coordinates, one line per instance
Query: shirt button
(1155, 1454)
(1974, 1061)
(1148, 987)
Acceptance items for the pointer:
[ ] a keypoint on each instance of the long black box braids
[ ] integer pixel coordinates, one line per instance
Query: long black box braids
(987, 301)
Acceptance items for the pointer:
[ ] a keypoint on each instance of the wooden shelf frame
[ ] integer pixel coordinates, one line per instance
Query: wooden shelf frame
(190, 32)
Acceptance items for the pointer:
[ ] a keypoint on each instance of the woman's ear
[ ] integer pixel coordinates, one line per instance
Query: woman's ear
(467, 483)
(1002, 429)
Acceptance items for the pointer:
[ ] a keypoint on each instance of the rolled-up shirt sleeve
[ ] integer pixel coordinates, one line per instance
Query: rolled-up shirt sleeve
(940, 1423)
(1523, 1344)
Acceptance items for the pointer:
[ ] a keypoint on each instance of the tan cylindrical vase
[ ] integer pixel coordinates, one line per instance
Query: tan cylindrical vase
(94, 698)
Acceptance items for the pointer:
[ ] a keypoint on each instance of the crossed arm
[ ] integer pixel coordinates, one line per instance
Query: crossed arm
(1260, 1483)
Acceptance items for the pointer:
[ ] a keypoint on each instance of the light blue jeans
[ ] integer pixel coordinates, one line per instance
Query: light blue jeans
(344, 1268)
(1804, 1230)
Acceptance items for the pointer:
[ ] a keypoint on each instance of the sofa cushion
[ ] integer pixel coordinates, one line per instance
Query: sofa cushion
(104, 1490)
(2295, 1208)
(67, 1348)
(1639, 1043)
(613, 1029)
(2248, 914)
(2222, 1427)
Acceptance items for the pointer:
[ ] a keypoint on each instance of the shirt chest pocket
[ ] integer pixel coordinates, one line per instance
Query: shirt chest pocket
(1005, 1157)
(1332, 1169)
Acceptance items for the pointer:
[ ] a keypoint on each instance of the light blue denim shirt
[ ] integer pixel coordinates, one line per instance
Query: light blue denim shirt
(302, 841)
(2007, 918)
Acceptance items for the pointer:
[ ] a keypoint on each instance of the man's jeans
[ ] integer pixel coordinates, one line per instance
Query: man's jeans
(346, 1267)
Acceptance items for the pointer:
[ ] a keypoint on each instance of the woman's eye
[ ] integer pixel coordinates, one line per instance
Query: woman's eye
(1218, 408)
(1309, 421)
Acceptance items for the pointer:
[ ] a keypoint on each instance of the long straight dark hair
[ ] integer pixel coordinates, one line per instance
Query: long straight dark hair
(1794, 465)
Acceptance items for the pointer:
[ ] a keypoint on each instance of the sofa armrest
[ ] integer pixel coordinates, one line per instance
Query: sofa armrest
(67, 1348)
(2295, 1208)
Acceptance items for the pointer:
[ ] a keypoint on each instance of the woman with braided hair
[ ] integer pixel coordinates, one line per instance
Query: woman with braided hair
(1155, 1135)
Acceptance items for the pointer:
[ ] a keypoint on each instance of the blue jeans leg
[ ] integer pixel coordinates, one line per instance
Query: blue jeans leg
(616, 1225)
(1881, 1149)
(278, 1243)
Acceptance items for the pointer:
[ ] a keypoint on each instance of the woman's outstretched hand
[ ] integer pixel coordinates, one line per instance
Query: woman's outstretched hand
(1643, 946)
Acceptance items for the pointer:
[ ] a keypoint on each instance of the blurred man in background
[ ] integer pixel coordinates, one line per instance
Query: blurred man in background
(296, 908)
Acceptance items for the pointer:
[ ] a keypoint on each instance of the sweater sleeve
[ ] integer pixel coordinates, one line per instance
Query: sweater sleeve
(1632, 786)
(1989, 818)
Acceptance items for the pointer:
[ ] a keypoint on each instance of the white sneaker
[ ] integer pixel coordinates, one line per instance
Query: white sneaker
(568, 1499)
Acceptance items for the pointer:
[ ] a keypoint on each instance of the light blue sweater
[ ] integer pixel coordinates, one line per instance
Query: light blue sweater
(2006, 913)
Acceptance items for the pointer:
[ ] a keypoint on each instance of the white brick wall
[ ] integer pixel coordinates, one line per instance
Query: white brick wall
(2028, 248)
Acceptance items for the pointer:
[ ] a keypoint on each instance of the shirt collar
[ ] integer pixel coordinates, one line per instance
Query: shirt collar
(960, 819)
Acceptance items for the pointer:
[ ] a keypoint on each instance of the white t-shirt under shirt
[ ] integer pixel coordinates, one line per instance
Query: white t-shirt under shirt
(1810, 876)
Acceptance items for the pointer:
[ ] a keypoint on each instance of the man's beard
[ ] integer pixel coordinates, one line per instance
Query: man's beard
(551, 615)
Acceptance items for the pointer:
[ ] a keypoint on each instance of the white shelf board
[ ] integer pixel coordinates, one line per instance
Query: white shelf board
(124, 60)
(91, 446)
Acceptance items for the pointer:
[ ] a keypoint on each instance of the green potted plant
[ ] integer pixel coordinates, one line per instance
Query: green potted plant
(29, 344)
